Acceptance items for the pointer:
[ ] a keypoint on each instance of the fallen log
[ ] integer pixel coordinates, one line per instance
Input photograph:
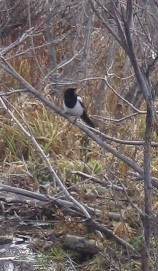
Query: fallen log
(81, 244)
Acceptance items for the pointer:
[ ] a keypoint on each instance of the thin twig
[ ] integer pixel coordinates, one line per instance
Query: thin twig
(29, 134)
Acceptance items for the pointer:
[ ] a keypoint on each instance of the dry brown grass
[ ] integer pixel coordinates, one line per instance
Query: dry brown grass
(69, 149)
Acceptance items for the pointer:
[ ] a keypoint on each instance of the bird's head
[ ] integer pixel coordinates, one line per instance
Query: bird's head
(70, 91)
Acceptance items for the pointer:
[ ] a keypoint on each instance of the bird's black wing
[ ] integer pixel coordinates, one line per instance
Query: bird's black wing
(87, 120)
(84, 116)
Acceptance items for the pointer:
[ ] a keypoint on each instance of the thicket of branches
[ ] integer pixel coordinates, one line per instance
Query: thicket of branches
(109, 51)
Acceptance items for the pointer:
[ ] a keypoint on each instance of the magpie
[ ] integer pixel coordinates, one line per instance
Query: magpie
(74, 106)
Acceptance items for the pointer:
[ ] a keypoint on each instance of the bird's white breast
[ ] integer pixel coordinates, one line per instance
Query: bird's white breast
(77, 110)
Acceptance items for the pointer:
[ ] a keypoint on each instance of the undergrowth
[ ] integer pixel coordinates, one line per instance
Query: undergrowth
(70, 151)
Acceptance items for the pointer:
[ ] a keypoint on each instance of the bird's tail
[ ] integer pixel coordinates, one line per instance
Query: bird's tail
(87, 120)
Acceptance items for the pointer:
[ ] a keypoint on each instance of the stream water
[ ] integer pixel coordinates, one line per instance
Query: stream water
(18, 257)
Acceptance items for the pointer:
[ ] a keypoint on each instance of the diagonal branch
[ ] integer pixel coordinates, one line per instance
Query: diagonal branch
(106, 24)
(29, 134)
(131, 163)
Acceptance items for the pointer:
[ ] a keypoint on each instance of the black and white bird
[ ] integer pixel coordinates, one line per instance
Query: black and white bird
(74, 106)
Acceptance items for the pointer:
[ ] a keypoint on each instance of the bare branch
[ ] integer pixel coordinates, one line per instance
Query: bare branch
(9, 69)
(44, 157)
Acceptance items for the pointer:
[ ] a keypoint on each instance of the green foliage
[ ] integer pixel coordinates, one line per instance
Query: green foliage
(95, 166)
(137, 242)
(16, 144)
(58, 254)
